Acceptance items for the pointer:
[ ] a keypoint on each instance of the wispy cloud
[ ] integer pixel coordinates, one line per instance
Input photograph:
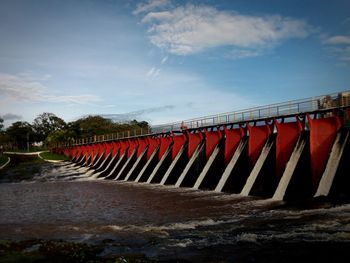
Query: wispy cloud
(339, 45)
(129, 116)
(150, 72)
(77, 99)
(25, 87)
(150, 5)
(191, 29)
(32, 76)
(243, 53)
(153, 72)
(164, 60)
(190, 95)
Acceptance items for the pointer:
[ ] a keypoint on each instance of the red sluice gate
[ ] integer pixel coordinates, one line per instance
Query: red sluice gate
(287, 137)
(88, 154)
(212, 139)
(124, 145)
(153, 144)
(194, 139)
(115, 147)
(165, 142)
(101, 149)
(258, 136)
(179, 141)
(94, 151)
(232, 139)
(133, 144)
(78, 151)
(107, 149)
(143, 143)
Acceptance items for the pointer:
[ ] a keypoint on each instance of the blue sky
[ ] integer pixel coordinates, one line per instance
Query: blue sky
(164, 60)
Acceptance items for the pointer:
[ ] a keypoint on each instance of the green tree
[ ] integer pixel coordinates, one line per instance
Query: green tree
(5, 139)
(46, 123)
(97, 125)
(93, 125)
(20, 133)
(1, 124)
(61, 136)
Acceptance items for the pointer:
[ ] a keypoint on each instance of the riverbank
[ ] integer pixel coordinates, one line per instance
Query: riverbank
(60, 251)
(55, 251)
(21, 168)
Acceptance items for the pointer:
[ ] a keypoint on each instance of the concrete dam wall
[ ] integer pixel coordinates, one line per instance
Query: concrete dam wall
(284, 158)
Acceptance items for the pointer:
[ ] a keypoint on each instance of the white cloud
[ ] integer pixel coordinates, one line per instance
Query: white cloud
(150, 5)
(191, 29)
(10, 116)
(338, 40)
(339, 45)
(21, 88)
(25, 87)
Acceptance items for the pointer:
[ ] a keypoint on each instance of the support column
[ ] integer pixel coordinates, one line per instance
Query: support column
(212, 150)
(151, 157)
(194, 151)
(257, 167)
(332, 165)
(231, 165)
(124, 146)
(140, 155)
(131, 156)
(322, 135)
(163, 154)
(290, 169)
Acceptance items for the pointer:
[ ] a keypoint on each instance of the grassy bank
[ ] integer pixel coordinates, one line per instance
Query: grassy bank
(3, 159)
(21, 168)
(53, 156)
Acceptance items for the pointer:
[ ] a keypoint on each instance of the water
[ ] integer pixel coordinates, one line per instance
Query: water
(163, 222)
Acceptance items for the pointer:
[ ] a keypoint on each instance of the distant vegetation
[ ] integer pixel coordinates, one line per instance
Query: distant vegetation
(47, 130)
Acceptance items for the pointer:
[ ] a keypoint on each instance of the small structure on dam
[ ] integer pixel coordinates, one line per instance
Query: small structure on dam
(285, 151)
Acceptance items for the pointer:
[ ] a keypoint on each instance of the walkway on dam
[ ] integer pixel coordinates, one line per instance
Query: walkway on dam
(285, 151)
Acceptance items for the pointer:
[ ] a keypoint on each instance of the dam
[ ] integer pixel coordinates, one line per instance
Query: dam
(288, 151)
(268, 184)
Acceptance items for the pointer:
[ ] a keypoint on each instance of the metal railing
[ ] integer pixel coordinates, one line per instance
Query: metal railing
(335, 100)
(319, 103)
(111, 136)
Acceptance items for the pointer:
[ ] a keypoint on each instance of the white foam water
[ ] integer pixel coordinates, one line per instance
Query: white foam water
(173, 226)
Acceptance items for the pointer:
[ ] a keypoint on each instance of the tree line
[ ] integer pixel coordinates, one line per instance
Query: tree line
(49, 130)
